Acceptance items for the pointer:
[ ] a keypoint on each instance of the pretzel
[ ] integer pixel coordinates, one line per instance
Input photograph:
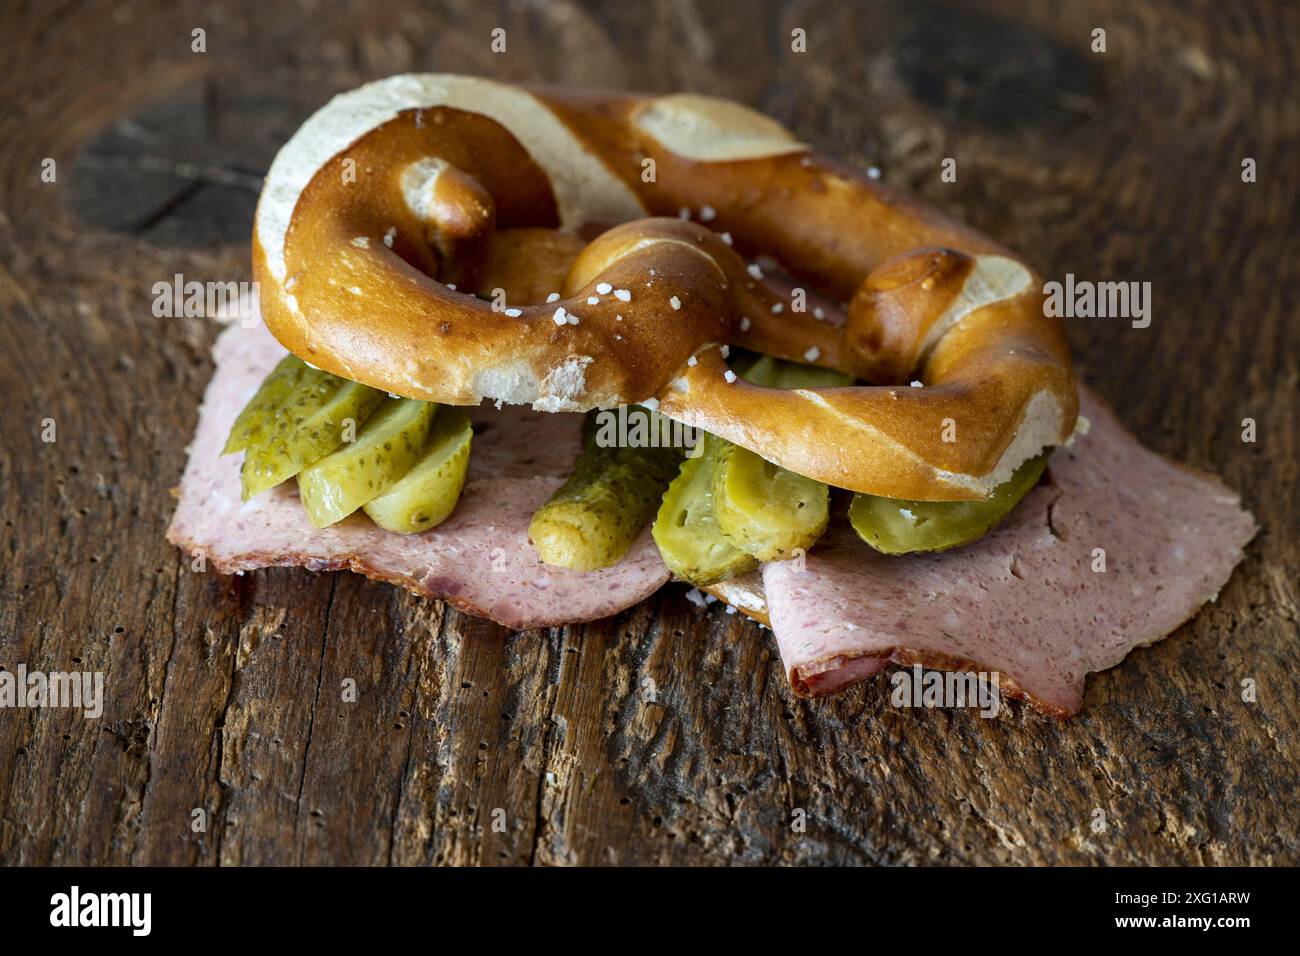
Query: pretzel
(397, 202)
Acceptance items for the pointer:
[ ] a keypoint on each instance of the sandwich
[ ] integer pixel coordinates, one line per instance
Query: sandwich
(536, 353)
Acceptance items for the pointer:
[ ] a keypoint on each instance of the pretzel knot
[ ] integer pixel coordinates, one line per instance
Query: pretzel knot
(454, 239)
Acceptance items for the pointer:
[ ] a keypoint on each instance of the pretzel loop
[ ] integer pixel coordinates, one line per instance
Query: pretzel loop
(463, 186)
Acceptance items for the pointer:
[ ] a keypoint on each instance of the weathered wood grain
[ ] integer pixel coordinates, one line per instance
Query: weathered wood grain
(668, 734)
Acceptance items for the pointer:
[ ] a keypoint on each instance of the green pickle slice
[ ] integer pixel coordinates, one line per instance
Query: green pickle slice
(778, 373)
(390, 442)
(612, 492)
(306, 426)
(290, 375)
(427, 494)
(766, 510)
(686, 530)
(901, 526)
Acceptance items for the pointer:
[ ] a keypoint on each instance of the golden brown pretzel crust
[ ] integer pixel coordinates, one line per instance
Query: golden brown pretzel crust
(467, 181)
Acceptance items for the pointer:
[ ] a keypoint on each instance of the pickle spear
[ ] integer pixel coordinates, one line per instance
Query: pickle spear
(426, 495)
(901, 526)
(766, 510)
(777, 373)
(304, 427)
(287, 377)
(386, 448)
(763, 509)
(593, 518)
(686, 529)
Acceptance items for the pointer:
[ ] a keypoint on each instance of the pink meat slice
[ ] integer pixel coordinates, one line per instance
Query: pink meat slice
(1024, 601)
(479, 559)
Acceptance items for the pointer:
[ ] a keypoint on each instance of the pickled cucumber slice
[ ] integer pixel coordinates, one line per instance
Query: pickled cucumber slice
(426, 495)
(289, 375)
(386, 447)
(593, 518)
(900, 526)
(778, 373)
(686, 529)
(766, 510)
(305, 427)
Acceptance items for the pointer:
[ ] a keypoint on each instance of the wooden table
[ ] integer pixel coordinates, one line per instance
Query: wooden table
(471, 744)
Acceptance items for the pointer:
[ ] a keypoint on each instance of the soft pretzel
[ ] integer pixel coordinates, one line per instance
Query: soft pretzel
(487, 186)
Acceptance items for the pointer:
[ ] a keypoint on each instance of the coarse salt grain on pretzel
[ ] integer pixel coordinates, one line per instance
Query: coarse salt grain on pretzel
(417, 177)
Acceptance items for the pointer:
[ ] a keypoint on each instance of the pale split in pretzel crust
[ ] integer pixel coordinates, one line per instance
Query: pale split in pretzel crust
(469, 180)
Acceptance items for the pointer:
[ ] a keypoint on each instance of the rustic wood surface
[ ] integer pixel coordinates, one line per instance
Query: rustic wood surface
(225, 694)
